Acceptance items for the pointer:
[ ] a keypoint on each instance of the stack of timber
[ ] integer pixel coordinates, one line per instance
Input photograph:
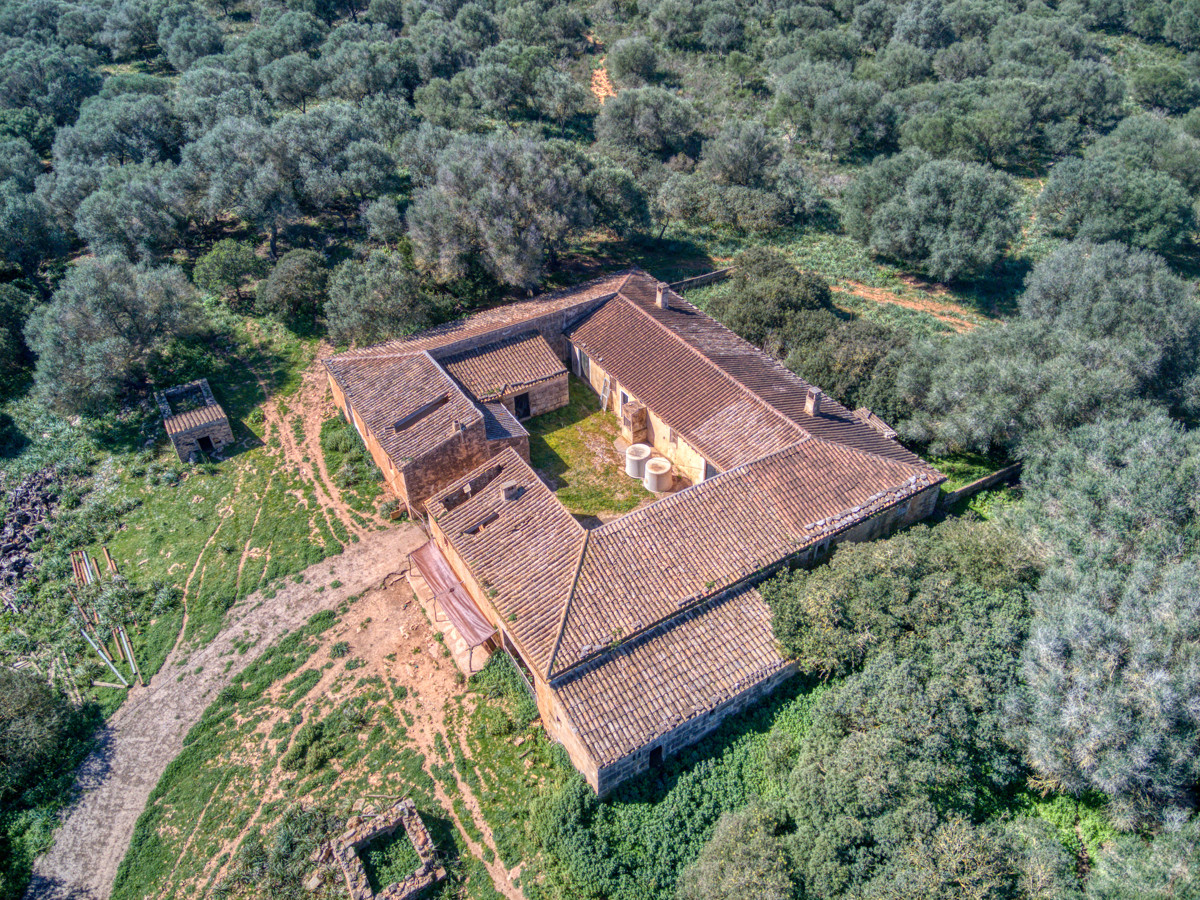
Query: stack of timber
(87, 572)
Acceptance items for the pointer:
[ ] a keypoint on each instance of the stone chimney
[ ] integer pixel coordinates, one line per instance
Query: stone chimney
(660, 295)
(812, 403)
(511, 490)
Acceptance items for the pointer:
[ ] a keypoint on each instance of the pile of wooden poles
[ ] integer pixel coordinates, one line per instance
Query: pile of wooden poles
(87, 572)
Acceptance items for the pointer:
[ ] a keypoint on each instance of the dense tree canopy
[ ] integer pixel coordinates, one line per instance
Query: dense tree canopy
(104, 326)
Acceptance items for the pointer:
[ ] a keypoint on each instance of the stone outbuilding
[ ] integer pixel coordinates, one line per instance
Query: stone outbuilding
(194, 420)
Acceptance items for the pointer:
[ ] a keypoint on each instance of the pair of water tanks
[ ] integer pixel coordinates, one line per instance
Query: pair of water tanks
(655, 473)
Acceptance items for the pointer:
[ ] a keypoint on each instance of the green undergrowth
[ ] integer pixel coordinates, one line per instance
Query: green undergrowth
(350, 465)
(573, 448)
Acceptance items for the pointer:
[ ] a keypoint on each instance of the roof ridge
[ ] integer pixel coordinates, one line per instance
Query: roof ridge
(547, 297)
(671, 499)
(562, 622)
(738, 384)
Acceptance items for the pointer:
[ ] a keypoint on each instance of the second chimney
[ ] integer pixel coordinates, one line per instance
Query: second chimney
(660, 295)
(812, 402)
(511, 489)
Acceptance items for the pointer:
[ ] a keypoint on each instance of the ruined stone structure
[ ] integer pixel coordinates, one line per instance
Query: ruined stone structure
(194, 421)
(365, 828)
(640, 635)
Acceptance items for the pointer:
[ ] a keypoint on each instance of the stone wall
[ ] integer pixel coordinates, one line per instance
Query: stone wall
(187, 442)
(543, 398)
(365, 828)
(437, 467)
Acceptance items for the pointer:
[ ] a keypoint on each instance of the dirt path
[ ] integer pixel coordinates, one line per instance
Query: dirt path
(957, 317)
(312, 401)
(147, 732)
(602, 86)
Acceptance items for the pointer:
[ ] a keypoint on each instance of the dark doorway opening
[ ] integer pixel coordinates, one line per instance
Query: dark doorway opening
(656, 758)
(206, 445)
(521, 406)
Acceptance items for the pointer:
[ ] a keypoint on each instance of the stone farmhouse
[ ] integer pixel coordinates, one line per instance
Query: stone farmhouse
(640, 635)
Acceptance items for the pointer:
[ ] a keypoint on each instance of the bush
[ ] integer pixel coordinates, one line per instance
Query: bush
(295, 289)
(632, 60)
(951, 220)
(765, 294)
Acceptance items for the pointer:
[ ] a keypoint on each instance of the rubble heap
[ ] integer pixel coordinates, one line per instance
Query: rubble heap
(366, 827)
(29, 505)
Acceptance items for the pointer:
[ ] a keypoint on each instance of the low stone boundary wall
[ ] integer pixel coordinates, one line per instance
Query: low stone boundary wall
(366, 827)
(701, 280)
(1007, 475)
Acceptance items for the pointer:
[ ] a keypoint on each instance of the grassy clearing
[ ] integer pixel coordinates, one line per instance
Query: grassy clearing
(231, 526)
(961, 469)
(573, 448)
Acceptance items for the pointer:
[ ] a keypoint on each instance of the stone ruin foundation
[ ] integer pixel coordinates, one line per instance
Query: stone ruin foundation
(362, 829)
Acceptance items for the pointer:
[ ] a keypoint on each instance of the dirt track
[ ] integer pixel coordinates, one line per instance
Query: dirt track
(147, 732)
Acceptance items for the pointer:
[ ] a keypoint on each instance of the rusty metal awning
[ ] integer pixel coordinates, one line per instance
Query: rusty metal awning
(449, 593)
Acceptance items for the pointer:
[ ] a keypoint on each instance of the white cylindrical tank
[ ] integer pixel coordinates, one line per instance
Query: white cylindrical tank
(658, 476)
(635, 460)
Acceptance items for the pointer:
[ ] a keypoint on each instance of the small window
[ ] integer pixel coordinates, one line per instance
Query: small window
(672, 437)
(624, 398)
(656, 758)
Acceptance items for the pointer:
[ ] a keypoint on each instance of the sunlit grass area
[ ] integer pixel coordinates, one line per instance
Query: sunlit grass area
(572, 448)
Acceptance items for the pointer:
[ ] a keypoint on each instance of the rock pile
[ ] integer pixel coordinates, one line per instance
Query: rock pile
(30, 503)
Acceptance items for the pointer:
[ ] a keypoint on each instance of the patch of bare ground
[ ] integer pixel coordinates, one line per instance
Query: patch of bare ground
(389, 632)
(602, 86)
(303, 453)
(935, 302)
(147, 732)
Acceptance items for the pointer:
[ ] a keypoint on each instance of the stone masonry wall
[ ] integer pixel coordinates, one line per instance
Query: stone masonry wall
(543, 398)
(453, 458)
(188, 442)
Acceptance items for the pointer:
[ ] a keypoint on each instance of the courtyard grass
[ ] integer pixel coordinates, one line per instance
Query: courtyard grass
(572, 448)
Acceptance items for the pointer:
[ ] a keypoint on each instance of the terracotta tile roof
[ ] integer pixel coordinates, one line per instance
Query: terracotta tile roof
(649, 565)
(524, 558)
(619, 334)
(672, 674)
(386, 391)
(713, 413)
(499, 423)
(504, 367)
(499, 317)
(194, 418)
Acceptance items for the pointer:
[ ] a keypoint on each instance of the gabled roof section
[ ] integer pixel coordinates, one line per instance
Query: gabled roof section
(523, 552)
(758, 373)
(499, 424)
(413, 392)
(495, 319)
(504, 367)
(675, 672)
(657, 561)
(716, 415)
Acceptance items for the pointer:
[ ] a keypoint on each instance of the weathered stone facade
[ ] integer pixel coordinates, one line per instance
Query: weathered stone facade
(195, 431)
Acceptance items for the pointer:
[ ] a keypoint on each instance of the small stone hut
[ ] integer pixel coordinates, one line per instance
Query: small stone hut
(194, 420)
